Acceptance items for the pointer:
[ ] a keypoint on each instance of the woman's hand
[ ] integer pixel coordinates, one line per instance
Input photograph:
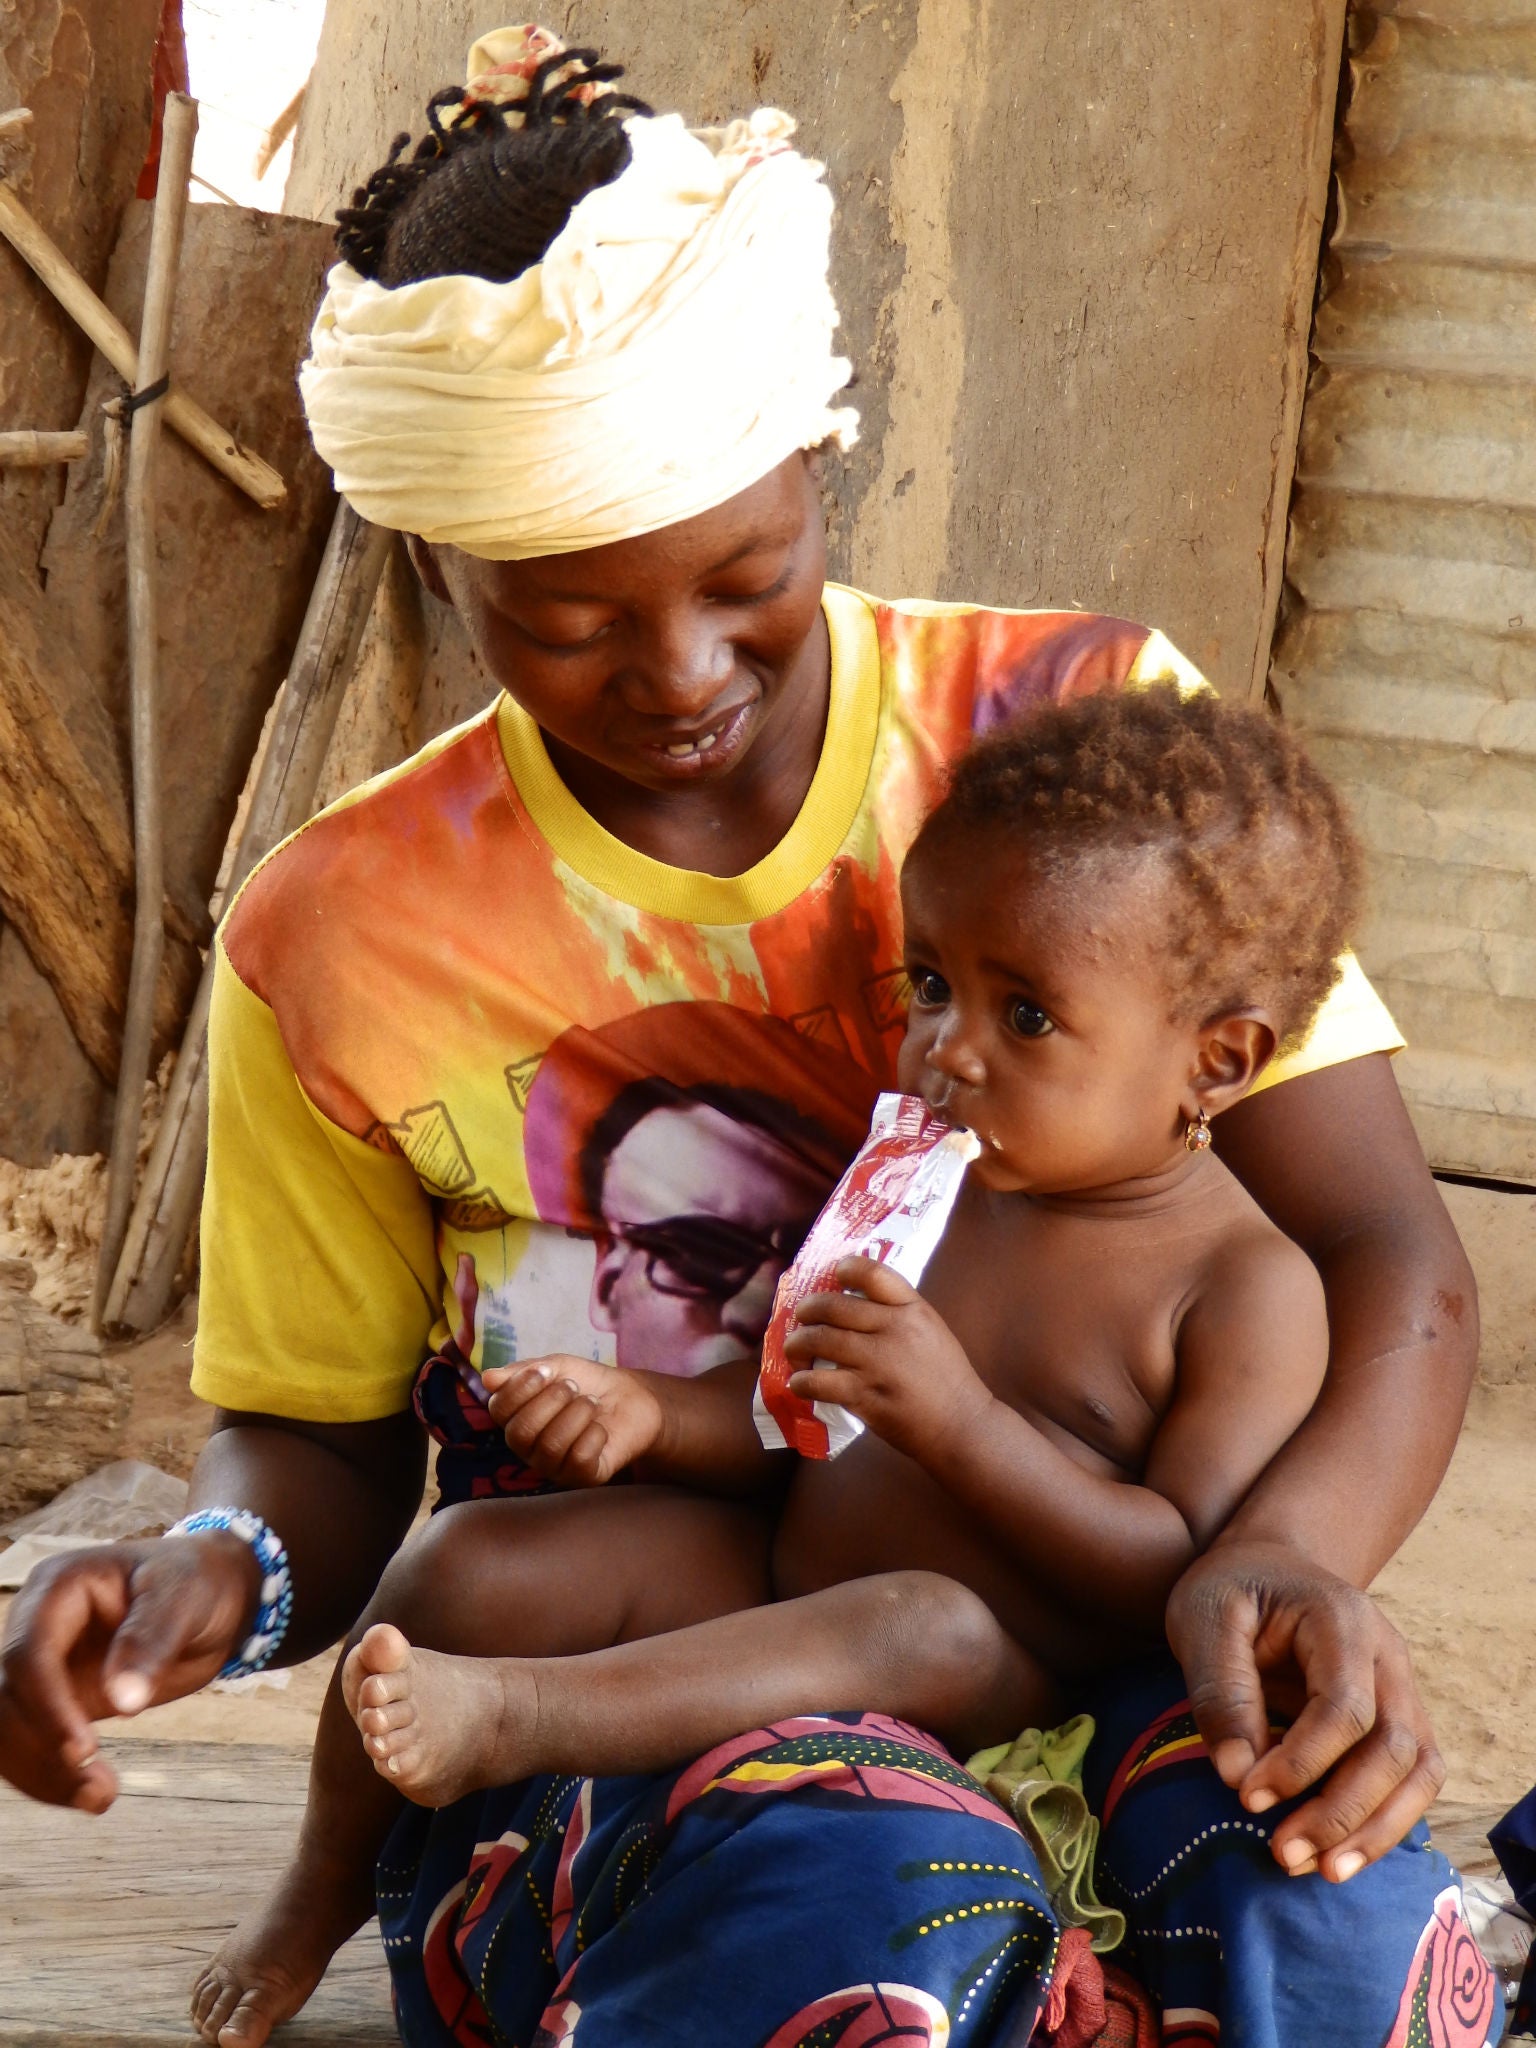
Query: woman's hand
(111, 1631)
(572, 1420)
(886, 1356)
(1256, 1626)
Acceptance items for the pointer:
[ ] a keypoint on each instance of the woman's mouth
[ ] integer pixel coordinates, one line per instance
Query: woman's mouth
(706, 751)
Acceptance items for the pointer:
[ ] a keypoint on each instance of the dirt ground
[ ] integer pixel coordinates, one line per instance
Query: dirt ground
(1463, 1591)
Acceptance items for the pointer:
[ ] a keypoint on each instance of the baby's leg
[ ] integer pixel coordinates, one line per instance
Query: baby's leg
(910, 1644)
(539, 1578)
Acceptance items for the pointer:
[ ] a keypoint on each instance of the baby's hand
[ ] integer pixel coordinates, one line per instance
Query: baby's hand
(572, 1420)
(888, 1358)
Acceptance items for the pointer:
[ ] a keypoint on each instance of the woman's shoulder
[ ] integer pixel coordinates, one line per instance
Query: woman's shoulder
(394, 849)
(978, 665)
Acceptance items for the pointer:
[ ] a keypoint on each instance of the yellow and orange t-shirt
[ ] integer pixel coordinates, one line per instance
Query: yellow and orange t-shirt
(480, 1070)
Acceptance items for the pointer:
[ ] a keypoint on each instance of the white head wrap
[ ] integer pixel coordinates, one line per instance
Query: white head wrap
(674, 346)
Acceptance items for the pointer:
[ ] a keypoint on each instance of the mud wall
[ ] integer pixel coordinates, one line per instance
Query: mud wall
(1075, 254)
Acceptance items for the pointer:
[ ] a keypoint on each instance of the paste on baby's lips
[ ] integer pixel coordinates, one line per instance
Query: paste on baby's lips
(892, 1205)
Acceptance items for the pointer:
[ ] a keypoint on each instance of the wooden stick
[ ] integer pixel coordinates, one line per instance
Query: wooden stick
(323, 660)
(178, 134)
(256, 478)
(28, 448)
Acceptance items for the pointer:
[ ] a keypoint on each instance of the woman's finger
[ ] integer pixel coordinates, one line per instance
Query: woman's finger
(1359, 1683)
(1390, 1822)
(1212, 1626)
(57, 1611)
(1393, 1757)
(191, 1603)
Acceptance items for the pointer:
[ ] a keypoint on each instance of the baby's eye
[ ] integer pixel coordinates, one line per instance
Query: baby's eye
(930, 991)
(1028, 1019)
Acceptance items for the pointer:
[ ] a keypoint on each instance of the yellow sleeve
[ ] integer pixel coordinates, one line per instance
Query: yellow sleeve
(319, 1267)
(1352, 1022)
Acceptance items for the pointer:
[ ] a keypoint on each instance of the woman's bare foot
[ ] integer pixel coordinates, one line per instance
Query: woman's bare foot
(437, 1727)
(274, 1959)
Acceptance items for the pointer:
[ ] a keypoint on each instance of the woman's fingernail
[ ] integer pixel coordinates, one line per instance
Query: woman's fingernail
(1233, 1759)
(1345, 1866)
(1262, 1800)
(129, 1692)
(1298, 1856)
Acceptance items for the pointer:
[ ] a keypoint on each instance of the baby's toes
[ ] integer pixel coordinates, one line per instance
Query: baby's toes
(386, 1718)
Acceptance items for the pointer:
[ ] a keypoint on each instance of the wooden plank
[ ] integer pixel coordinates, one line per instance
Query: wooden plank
(1461, 1833)
(66, 859)
(107, 1920)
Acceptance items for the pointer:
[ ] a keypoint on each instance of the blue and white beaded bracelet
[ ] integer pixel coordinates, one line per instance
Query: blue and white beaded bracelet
(275, 1607)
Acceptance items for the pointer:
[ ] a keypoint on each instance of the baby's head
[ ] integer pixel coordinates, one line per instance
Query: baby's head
(1119, 911)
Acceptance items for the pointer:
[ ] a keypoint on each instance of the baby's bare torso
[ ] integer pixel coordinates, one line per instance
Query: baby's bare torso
(1070, 1318)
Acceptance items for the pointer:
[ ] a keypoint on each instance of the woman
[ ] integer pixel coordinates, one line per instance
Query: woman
(585, 361)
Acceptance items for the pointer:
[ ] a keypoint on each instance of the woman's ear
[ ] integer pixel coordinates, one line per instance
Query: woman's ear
(425, 563)
(1233, 1051)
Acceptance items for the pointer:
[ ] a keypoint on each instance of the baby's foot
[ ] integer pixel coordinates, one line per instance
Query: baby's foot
(437, 1727)
(274, 1959)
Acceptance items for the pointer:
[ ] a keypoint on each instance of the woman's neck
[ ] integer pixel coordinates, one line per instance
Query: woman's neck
(727, 825)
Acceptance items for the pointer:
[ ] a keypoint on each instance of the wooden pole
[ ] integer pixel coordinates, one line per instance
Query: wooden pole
(323, 660)
(178, 134)
(28, 448)
(256, 478)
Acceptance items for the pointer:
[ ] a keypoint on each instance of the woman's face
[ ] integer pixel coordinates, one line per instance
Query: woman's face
(666, 658)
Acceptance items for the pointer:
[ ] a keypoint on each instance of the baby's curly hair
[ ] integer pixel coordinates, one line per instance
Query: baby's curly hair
(1264, 873)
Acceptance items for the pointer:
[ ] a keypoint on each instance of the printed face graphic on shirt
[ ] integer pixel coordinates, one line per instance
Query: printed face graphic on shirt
(677, 1157)
(702, 1211)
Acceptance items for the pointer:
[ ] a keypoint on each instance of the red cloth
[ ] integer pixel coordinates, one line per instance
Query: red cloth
(170, 75)
(1092, 2004)
(1132, 2021)
(1075, 2012)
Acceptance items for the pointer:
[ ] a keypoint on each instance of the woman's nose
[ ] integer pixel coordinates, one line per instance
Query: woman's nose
(682, 666)
(746, 1314)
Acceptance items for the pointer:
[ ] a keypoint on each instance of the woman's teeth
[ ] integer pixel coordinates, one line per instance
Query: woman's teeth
(679, 749)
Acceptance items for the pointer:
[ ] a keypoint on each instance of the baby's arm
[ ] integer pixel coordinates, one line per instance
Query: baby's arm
(1107, 1545)
(1252, 1351)
(582, 1423)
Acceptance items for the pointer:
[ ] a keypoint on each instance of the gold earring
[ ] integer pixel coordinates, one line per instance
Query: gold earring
(1197, 1132)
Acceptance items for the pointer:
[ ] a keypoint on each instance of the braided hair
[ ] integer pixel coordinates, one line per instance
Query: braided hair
(487, 195)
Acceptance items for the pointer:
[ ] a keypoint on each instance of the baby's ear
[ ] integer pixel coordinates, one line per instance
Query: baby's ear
(1234, 1050)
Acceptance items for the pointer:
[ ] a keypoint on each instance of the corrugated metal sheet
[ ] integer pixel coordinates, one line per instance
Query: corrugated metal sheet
(1407, 650)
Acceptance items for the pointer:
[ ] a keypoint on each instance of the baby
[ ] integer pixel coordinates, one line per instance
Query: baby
(1119, 911)
(1113, 919)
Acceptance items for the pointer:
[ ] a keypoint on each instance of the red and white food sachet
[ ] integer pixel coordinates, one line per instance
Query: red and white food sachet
(892, 1205)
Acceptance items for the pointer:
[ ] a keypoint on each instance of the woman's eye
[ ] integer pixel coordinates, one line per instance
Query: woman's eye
(1028, 1019)
(929, 990)
(760, 594)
